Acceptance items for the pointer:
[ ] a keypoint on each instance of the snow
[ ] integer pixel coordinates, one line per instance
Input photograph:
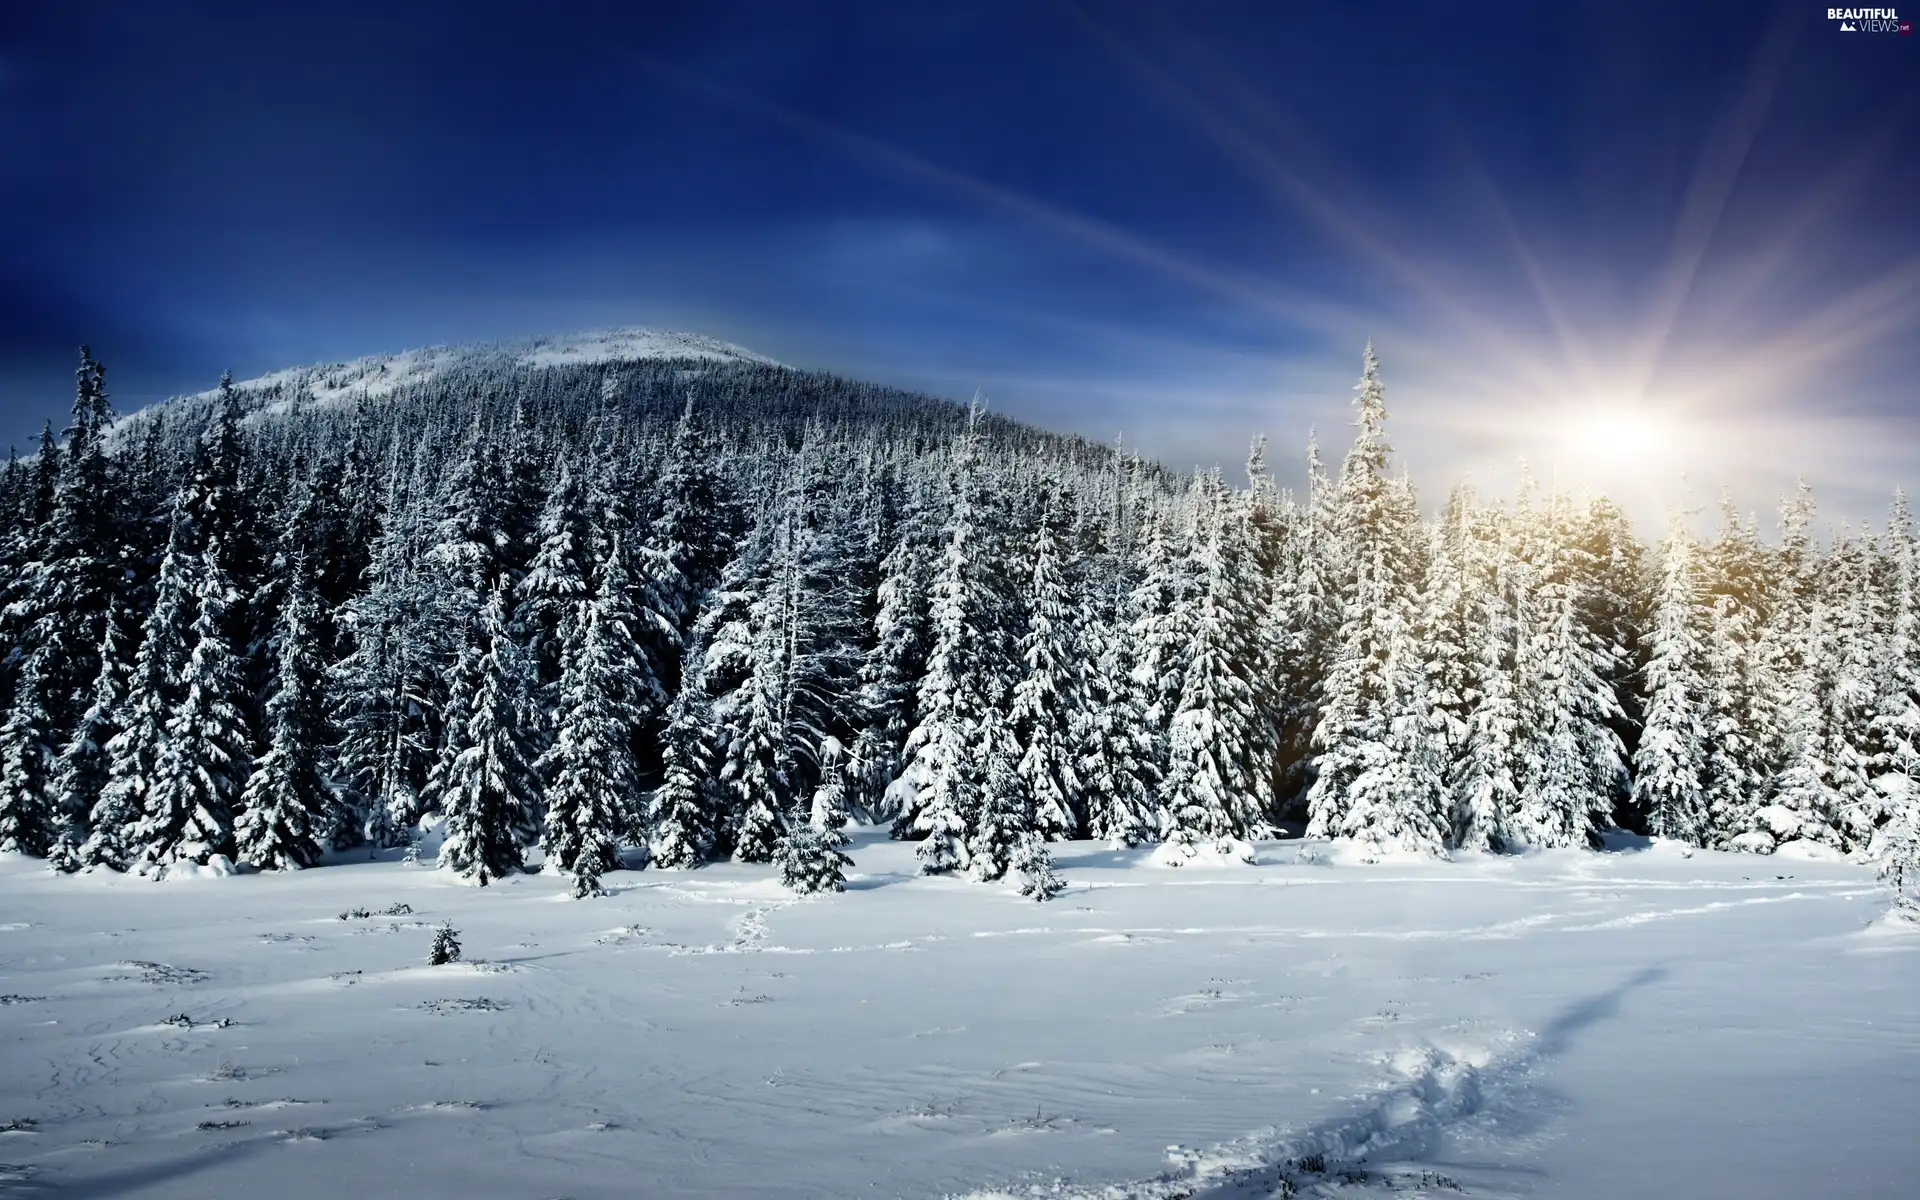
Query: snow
(380, 375)
(630, 345)
(1633, 1023)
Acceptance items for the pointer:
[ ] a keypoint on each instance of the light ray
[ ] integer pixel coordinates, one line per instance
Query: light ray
(1302, 309)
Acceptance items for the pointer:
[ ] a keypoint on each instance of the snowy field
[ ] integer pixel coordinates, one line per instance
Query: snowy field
(1629, 1024)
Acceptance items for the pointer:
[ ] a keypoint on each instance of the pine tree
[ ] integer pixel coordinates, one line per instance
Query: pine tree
(893, 668)
(1046, 701)
(1486, 791)
(1162, 608)
(81, 774)
(385, 692)
(446, 946)
(682, 816)
(1207, 790)
(1035, 867)
(1668, 765)
(1006, 818)
(113, 838)
(812, 854)
(1853, 697)
(960, 684)
(202, 765)
(1117, 750)
(26, 809)
(488, 790)
(1379, 777)
(553, 594)
(1740, 693)
(1577, 761)
(590, 767)
(1896, 721)
(289, 801)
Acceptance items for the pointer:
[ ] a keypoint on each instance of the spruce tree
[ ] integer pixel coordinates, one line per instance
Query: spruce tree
(1047, 699)
(589, 770)
(80, 775)
(1117, 750)
(1034, 865)
(27, 818)
(1577, 762)
(386, 692)
(1379, 776)
(288, 806)
(1671, 756)
(553, 594)
(203, 761)
(943, 771)
(1006, 816)
(487, 789)
(1207, 793)
(681, 816)
(113, 838)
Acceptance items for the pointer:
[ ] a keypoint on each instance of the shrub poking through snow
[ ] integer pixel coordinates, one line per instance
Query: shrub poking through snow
(1035, 866)
(446, 946)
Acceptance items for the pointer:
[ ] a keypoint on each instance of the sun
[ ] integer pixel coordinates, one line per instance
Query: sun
(1611, 436)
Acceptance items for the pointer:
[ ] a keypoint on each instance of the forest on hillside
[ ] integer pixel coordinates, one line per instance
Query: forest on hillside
(663, 612)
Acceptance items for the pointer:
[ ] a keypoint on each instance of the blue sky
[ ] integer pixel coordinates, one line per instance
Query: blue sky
(1180, 222)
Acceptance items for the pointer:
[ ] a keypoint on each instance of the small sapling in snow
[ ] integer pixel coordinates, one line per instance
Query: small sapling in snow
(446, 945)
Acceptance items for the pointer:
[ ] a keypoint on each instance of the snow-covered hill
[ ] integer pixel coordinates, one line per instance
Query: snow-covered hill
(380, 375)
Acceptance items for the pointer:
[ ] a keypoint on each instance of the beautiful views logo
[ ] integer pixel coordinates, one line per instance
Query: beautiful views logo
(1869, 20)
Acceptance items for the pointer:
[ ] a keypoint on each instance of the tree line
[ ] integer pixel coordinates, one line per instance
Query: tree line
(659, 613)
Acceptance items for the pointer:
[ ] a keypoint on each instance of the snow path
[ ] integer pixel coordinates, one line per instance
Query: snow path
(1563, 1025)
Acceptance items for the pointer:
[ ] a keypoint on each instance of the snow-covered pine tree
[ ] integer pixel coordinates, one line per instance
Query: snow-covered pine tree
(1576, 757)
(1378, 776)
(1803, 804)
(80, 774)
(1034, 865)
(589, 769)
(1005, 819)
(1671, 756)
(203, 762)
(1207, 794)
(687, 544)
(1161, 606)
(812, 856)
(756, 765)
(1896, 721)
(902, 638)
(288, 804)
(682, 816)
(386, 692)
(1047, 700)
(1740, 700)
(133, 754)
(487, 788)
(1301, 628)
(963, 679)
(1486, 789)
(1854, 651)
(1116, 760)
(1446, 632)
(26, 759)
(552, 596)
(1613, 589)
(79, 575)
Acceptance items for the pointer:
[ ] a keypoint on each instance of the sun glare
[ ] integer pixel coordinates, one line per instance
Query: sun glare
(1615, 436)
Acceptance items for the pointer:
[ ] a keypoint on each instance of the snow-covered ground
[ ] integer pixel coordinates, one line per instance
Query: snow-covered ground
(1628, 1024)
